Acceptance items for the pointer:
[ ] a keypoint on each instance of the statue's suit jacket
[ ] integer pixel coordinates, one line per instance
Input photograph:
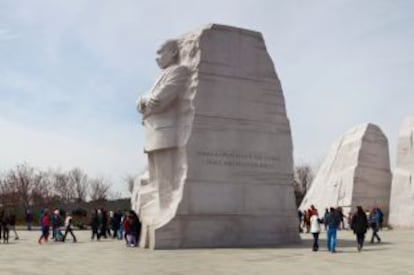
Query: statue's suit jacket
(166, 120)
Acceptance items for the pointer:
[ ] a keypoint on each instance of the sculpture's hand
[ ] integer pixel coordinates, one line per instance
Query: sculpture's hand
(141, 104)
(153, 103)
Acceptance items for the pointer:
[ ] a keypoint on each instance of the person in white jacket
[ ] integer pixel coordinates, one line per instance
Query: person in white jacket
(68, 228)
(315, 229)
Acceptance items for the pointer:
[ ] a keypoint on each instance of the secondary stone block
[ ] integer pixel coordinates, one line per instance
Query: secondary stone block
(402, 191)
(355, 172)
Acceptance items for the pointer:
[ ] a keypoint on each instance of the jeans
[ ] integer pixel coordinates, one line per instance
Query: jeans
(121, 233)
(331, 239)
(131, 240)
(315, 241)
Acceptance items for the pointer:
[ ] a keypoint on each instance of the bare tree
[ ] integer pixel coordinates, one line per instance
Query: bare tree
(8, 194)
(129, 180)
(62, 186)
(21, 182)
(43, 192)
(79, 180)
(99, 189)
(303, 179)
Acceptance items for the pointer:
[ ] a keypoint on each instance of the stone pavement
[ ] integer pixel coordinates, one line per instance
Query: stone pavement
(24, 256)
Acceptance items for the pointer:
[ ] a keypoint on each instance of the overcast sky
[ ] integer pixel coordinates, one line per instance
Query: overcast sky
(70, 72)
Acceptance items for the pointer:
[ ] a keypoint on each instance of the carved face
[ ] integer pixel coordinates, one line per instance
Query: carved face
(167, 55)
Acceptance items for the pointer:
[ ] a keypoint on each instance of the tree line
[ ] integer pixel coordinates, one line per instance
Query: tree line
(27, 186)
(303, 177)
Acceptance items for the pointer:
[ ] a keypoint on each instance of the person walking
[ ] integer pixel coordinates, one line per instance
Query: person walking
(341, 216)
(300, 218)
(45, 226)
(12, 220)
(5, 224)
(333, 220)
(95, 225)
(315, 229)
(130, 231)
(325, 216)
(380, 218)
(121, 234)
(359, 224)
(68, 228)
(55, 220)
(374, 224)
(29, 219)
(1, 222)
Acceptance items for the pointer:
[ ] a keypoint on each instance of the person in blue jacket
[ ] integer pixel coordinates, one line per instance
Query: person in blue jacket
(332, 220)
(374, 220)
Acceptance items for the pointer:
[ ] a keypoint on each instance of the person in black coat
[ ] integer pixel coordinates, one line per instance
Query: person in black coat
(12, 219)
(1, 222)
(359, 225)
(134, 225)
(95, 225)
(5, 224)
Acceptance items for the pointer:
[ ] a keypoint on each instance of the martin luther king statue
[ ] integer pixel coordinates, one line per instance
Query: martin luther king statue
(165, 112)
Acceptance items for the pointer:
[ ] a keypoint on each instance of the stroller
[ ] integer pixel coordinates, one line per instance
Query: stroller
(58, 235)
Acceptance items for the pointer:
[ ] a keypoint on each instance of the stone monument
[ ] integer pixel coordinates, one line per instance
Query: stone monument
(402, 190)
(219, 146)
(355, 172)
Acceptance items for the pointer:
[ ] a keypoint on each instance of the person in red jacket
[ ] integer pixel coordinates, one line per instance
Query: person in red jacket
(125, 225)
(45, 224)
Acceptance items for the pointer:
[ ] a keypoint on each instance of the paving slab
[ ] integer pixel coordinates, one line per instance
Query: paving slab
(394, 255)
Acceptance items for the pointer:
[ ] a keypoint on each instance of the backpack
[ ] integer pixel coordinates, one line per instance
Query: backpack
(380, 216)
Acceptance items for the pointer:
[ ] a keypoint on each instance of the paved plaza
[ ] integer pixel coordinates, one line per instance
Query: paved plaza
(25, 256)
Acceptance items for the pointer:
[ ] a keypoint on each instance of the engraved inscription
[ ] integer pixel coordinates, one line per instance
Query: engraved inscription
(236, 159)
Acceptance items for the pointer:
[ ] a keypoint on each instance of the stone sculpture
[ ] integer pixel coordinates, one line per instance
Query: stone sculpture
(355, 172)
(165, 110)
(220, 151)
(402, 190)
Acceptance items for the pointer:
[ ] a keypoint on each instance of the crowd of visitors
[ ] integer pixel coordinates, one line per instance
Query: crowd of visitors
(57, 225)
(116, 225)
(334, 219)
(125, 225)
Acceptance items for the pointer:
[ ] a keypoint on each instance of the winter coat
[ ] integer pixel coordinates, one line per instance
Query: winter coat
(45, 221)
(333, 220)
(315, 226)
(359, 223)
